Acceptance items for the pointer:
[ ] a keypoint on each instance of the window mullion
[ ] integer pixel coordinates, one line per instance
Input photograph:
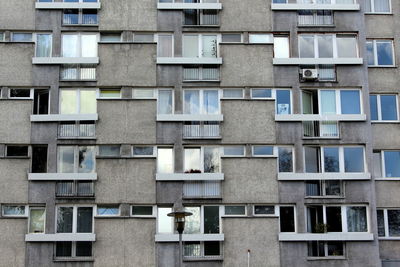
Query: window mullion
(202, 219)
(375, 51)
(344, 218)
(378, 105)
(341, 159)
(316, 50)
(324, 214)
(338, 102)
(322, 161)
(334, 46)
(386, 221)
(74, 219)
(383, 163)
(76, 158)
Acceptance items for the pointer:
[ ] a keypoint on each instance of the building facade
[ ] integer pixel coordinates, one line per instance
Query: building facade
(274, 122)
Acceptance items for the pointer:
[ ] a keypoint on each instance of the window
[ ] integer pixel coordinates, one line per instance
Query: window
(201, 102)
(78, 72)
(143, 38)
(80, 17)
(198, 249)
(383, 107)
(262, 151)
(74, 219)
(165, 160)
(37, 218)
(17, 151)
(204, 220)
(41, 101)
(110, 37)
(388, 222)
(331, 102)
(202, 159)
(391, 163)
(328, 188)
(14, 210)
(264, 210)
(79, 45)
(315, 17)
(326, 218)
(76, 159)
(107, 210)
(39, 159)
(325, 72)
(200, 45)
(261, 38)
(202, 73)
(20, 93)
(283, 101)
(327, 46)
(331, 249)
(200, 16)
(233, 93)
(109, 150)
(285, 159)
(234, 151)
(165, 223)
(75, 188)
(231, 38)
(261, 93)
(21, 37)
(43, 44)
(144, 151)
(142, 211)
(380, 53)
(1, 36)
(378, 6)
(143, 93)
(165, 101)
(165, 45)
(279, 1)
(281, 47)
(78, 101)
(287, 219)
(110, 93)
(47, 1)
(235, 211)
(68, 249)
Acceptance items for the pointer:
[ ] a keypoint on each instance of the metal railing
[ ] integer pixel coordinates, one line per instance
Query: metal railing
(201, 130)
(71, 19)
(89, 19)
(326, 73)
(78, 73)
(77, 19)
(209, 17)
(323, 129)
(202, 189)
(77, 130)
(75, 189)
(316, 18)
(201, 74)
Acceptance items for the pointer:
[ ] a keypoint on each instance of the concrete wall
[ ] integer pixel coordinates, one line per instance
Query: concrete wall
(17, 15)
(16, 67)
(12, 244)
(389, 249)
(15, 121)
(14, 180)
(386, 194)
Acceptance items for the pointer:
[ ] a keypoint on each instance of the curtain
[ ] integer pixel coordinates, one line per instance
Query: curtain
(164, 102)
(382, 5)
(190, 46)
(356, 219)
(36, 220)
(192, 102)
(70, 45)
(328, 102)
(43, 45)
(211, 101)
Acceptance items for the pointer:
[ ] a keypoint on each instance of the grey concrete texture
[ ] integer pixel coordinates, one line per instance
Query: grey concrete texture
(18, 68)
(12, 242)
(17, 15)
(14, 180)
(15, 122)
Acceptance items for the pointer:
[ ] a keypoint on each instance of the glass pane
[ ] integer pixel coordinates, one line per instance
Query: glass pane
(231, 38)
(331, 159)
(261, 38)
(211, 219)
(107, 210)
(370, 53)
(306, 98)
(346, 47)
(69, 102)
(192, 160)
(373, 104)
(286, 219)
(234, 151)
(165, 160)
(235, 210)
(281, 47)
(142, 210)
(261, 93)
(328, 102)
(325, 46)
(109, 151)
(190, 46)
(164, 46)
(350, 101)
(89, 45)
(394, 222)
(263, 150)
(43, 45)
(64, 219)
(164, 102)
(83, 249)
(389, 107)
(211, 102)
(382, 5)
(333, 188)
(353, 159)
(86, 159)
(233, 93)
(192, 102)
(164, 223)
(285, 159)
(306, 46)
(193, 222)
(145, 38)
(36, 220)
(334, 219)
(66, 159)
(21, 37)
(335, 248)
(381, 223)
(143, 151)
(212, 248)
(312, 156)
(392, 163)
(192, 249)
(211, 160)
(209, 46)
(70, 45)
(17, 151)
(110, 93)
(313, 188)
(85, 220)
(143, 93)
(13, 210)
(110, 37)
(64, 249)
(357, 219)
(20, 93)
(88, 102)
(283, 102)
(264, 210)
(71, 16)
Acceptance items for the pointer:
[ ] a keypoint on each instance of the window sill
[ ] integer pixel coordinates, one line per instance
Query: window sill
(389, 238)
(326, 258)
(16, 157)
(78, 80)
(201, 26)
(80, 25)
(197, 81)
(324, 197)
(76, 138)
(388, 179)
(316, 26)
(383, 66)
(378, 13)
(74, 259)
(385, 122)
(189, 259)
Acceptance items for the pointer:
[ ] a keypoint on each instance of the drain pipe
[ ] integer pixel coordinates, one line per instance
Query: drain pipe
(248, 258)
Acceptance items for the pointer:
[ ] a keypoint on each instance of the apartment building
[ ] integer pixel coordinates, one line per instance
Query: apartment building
(274, 122)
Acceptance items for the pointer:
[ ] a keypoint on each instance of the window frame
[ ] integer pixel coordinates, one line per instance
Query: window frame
(108, 215)
(26, 212)
(110, 33)
(375, 52)
(73, 252)
(75, 216)
(31, 93)
(16, 32)
(156, 39)
(379, 108)
(293, 157)
(322, 186)
(235, 215)
(78, 98)
(79, 43)
(202, 156)
(386, 224)
(154, 95)
(273, 155)
(270, 42)
(276, 211)
(29, 218)
(76, 157)
(232, 89)
(383, 165)
(154, 155)
(326, 254)
(221, 213)
(173, 158)
(15, 145)
(98, 154)
(98, 95)
(294, 216)
(223, 155)
(153, 211)
(200, 37)
(373, 12)
(80, 18)
(202, 108)
(172, 96)
(34, 39)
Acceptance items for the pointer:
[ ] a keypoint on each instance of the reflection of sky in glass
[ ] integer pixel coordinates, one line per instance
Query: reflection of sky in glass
(66, 159)
(328, 102)
(385, 53)
(165, 160)
(211, 102)
(331, 159)
(86, 159)
(192, 102)
(43, 45)
(306, 44)
(388, 107)
(370, 53)
(13, 210)
(392, 163)
(263, 150)
(373, 107)
(211, 159)
(283, 102)
(353, 159)
(325, 46)
(164, 101)
(192, 224)
(107, 210)
(394, 222)
(192, 159)
(350, 101)
(164, 223)
(68, 102)
(70, 45)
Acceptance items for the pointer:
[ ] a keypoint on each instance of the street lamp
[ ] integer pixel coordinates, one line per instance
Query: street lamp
(179, 219)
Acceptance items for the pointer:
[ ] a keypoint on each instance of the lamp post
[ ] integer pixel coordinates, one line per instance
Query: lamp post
(179, 219)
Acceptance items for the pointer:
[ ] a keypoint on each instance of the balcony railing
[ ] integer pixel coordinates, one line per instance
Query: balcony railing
(201, 189)
(75, 189)
(201, 131)
(77, 130)
(315, 18)
(89, 19)
(78, 72)
(201, 74)
(77, 19)
(322, 129)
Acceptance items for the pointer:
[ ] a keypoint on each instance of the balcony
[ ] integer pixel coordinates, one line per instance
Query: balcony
(64, 117)
(189, 237)
(60, 237)
(78, 73)
(201, 74)
(80, 130)
(326, 237)
(182, 6)
(315, 18)
(189, 176)
(206, 189)
(201, 131)
(190, 117)
(330, 5)
(61, 176)
(320, 129)
(86, 18)
(317, 61)
(189, 60)
(64, 60)
(288, 176)
(320, 117)
(78, 189)
(67, 5)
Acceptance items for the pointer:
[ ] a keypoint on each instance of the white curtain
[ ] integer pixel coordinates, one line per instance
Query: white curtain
(328, 102)
(382, 5)
(164, 46)
(356, 219)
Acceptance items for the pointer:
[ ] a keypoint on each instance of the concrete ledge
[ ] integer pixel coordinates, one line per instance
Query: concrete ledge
(64, 117)
(317, 61)
(326, 237)
(189, 237)
(344, 7)
(189, 60)
(318, 117)
(62, 5)
(190, 117)
(388, 179)
(59, 237)
(287, 176)
(172, 6)
(64, 60)
(189, 176)
(61, 176)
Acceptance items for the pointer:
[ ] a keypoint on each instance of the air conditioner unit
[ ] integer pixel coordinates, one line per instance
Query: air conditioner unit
(310, 74)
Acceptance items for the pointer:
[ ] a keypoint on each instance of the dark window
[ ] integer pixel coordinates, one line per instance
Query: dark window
(334, 219)
(394, 222)
(20, 93)
(212, 248)
(63, 249)
(85, 218)
(83, 249)
(235, 210)
(381, 223)
(211, 219)
(64, 219)
(264, 210)
(335, 248)
(287, 219)
(39, 159)
(17, 151)
(142, 210)
(41, 102)
(285, 159)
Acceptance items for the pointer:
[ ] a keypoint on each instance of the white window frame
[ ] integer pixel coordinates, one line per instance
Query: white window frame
(98, 93)
(156, 38)
(223, 155)
(375, 52)
(79, 42)
(172, 95)
(379, 108)
(386, 224)
(276, 211)
(154, 155)
(294, 216)
(153, 91)
(26, 212)
(201, 99)
(231, 89)
(271, 36)
(34, 39)
(383, 167)
(75, 215)
(29, 218)
(172, 230)
(235, 215)
(202, 156)
(272, 97)
(108, 215)
(200, 42)
(78, 97)
(273, 155)
(31, 93)
(276, 151)
(76, 156)
(153, 214)
(372, 4)
(221, 215)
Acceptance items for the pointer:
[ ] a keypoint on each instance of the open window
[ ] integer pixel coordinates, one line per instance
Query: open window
(39, 158)
(41, 101)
